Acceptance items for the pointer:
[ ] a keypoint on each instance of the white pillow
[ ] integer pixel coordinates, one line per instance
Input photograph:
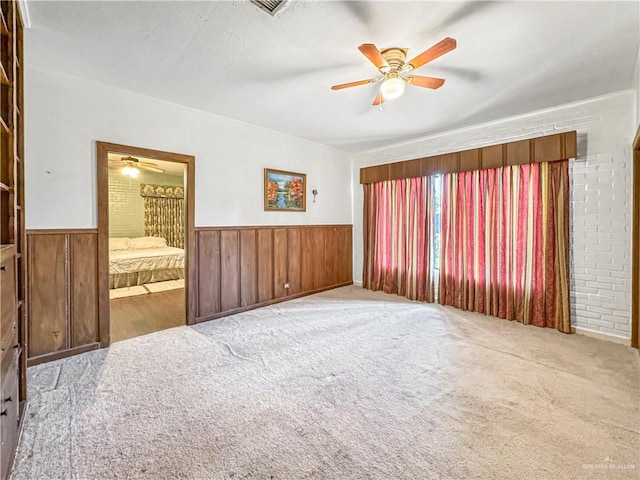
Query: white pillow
(118, 244)
(147, 242)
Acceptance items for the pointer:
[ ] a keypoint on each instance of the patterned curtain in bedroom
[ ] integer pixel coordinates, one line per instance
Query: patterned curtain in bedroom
(398, 226)
(505, 243)
(164, 213)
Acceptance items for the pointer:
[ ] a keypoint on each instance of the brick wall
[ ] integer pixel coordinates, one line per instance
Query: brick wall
(126, 207)
(601, 184)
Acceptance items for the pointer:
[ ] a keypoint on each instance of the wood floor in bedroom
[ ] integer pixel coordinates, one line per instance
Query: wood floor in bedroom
(142, 314)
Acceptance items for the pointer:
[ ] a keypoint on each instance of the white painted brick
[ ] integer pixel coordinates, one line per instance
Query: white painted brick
(610, 331)
(607, 294)
(599, 272)
(126, 206)
(601, 323)
(600, 310)
(588, 289)
(613, 267)
(620, 274)
(587, 315)
(621, 288)
(611, 280)
(584, 277)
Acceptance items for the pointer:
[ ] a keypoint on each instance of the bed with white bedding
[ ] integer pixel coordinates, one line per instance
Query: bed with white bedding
(138, 261)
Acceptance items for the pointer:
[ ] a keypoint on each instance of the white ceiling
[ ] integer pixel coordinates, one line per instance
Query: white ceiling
(170, 168)
(233, 59)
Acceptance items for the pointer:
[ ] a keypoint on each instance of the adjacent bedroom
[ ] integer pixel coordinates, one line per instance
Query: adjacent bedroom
(146, 245)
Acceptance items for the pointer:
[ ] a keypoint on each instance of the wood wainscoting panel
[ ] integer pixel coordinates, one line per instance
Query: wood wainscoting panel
(62, 313)
(331, 256)
(248, 267)
(229, 270)
(208, 272)
(265, 265)
(238, 268)
(280, 253)
(83, 253)
(318, 253)
(47, 287)
(294, 267)
(306, 267)
(343, 252)
(257, 262)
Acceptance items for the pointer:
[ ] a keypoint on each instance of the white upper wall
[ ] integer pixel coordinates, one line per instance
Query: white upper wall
(636, 86)
(601, 185)
(66, 115)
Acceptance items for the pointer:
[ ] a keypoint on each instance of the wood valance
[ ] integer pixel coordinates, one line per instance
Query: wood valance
(549, 148)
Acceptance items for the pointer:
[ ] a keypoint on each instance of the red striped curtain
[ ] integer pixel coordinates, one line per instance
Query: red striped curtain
(398, 225)
(505, 243)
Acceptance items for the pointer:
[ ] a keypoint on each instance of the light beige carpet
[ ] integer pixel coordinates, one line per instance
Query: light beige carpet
(347, 384)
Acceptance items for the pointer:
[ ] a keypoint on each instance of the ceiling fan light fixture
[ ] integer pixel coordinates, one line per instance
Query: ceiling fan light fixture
(130, 171)
(392, 88)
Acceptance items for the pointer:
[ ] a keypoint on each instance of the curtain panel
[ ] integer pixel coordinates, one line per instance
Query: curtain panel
(505, 243)
(164, 214)
(398, 226)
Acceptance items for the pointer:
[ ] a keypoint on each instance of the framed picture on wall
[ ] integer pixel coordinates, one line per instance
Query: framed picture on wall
(285, 191)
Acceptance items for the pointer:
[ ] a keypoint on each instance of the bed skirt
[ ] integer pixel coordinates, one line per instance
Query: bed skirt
(120, 280)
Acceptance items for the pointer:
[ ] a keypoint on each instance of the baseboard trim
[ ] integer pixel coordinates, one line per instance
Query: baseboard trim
(601, 336)
(226, 313)
(50, 357)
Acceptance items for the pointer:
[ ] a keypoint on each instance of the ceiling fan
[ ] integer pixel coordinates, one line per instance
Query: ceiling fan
(395, 70)
(133, 166)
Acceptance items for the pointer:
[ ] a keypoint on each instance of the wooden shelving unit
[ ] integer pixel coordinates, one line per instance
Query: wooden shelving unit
(12, 234)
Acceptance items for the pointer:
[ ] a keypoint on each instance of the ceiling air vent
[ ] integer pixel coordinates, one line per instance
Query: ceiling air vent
(272, 7)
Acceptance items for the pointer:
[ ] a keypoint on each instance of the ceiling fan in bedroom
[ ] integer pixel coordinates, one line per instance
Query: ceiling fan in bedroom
(395, 71)
(133, 166)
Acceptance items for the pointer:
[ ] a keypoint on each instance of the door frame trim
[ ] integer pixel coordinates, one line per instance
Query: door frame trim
(635, 267)
(102, 151)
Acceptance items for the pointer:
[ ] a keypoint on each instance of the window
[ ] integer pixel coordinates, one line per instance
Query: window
(437, 201)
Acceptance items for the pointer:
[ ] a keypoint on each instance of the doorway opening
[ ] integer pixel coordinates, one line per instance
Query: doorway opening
(145, 240)
(635, 269)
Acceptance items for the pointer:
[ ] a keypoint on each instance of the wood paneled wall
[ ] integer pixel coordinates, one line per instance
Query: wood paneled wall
(240, 268)
(62, 275)
(549, 148)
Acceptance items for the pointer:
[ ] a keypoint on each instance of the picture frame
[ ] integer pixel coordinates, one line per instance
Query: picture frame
(284, 191)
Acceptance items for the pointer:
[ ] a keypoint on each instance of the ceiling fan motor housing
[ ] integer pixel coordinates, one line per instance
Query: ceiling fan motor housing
(395, 57)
